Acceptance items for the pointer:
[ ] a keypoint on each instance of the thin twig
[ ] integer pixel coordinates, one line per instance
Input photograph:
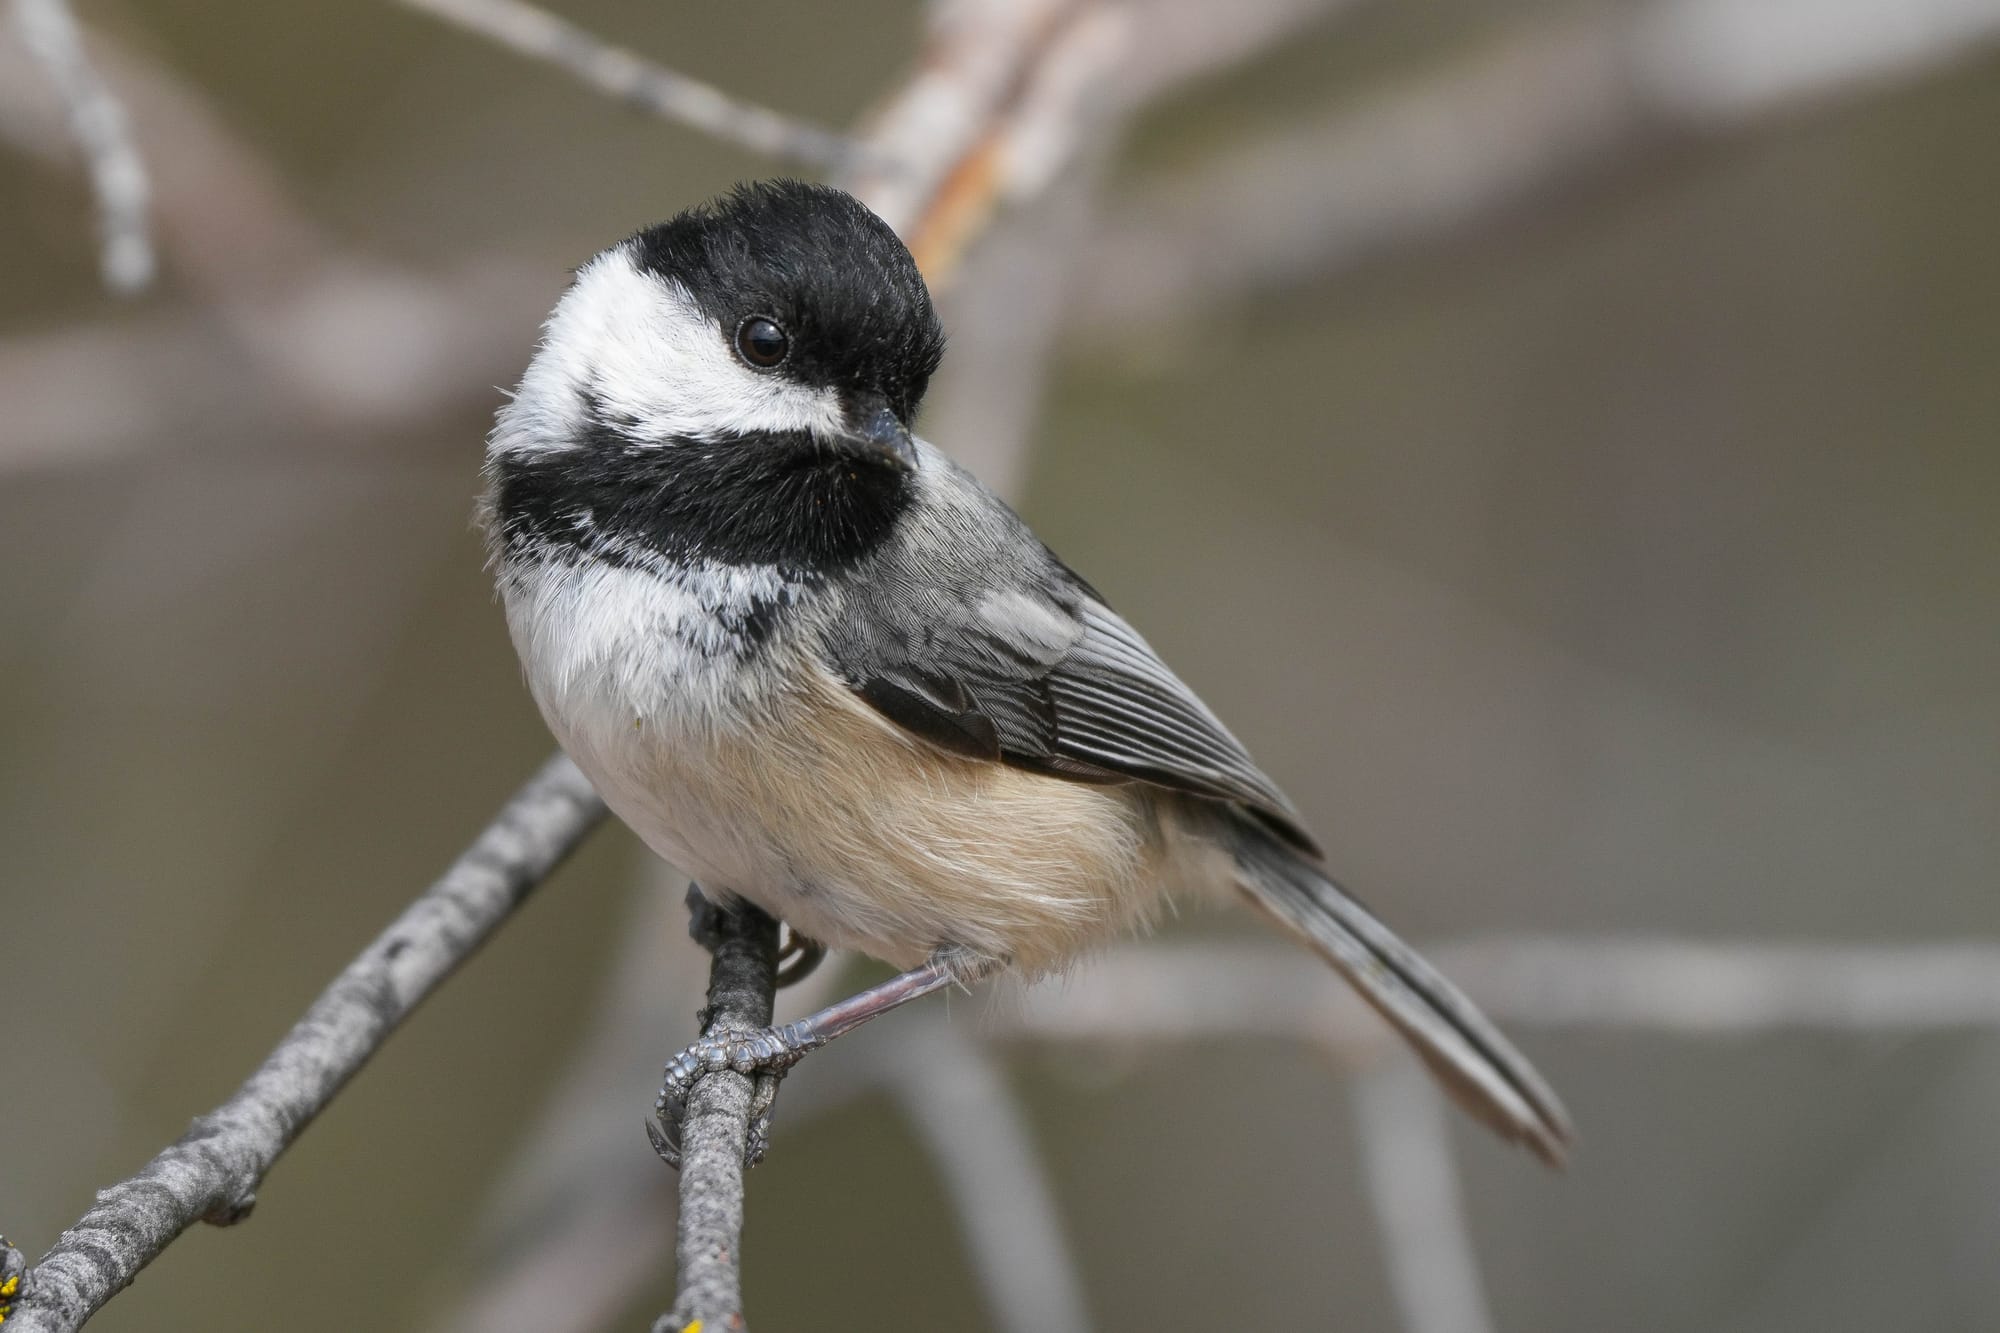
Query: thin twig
(1413, 1185)
(715, 1131)
(212, 1173)
(629, 77)
(100, 127)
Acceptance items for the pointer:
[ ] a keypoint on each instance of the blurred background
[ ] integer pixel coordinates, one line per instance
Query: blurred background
(1558, 437)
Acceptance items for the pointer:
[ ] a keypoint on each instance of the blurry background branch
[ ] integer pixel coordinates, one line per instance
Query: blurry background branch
(346, 346)
(1534, 109)
(99, 125)
(617, 73)
(1685, 988)
(955, 1095)
(1419, 1211)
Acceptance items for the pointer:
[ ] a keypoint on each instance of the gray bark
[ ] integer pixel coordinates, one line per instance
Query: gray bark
(715, 1135)
(212, 1172)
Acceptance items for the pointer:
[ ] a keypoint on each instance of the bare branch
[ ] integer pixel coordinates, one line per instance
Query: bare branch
(1406, 1159)
(715, 1132)
(98, 123)
(573, 1231)
(212, 1173)
(618, 73)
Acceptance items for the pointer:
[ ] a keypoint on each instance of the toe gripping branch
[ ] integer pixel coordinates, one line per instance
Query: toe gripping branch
(742, 983)
(759, 1054)
(734, 1041)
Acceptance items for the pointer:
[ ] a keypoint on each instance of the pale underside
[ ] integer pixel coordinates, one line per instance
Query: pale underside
(798, 796)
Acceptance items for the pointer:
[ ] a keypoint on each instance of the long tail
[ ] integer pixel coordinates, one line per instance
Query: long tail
(1479, 1067)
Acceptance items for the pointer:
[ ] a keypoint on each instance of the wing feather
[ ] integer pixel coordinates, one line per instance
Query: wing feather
(1013, 657)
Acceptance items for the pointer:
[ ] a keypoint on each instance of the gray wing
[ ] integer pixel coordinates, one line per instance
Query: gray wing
(968, 632)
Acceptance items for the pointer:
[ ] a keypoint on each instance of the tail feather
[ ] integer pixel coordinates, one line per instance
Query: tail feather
(1479, 1067)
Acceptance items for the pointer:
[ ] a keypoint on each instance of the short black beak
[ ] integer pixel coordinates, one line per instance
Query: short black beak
(875, 424)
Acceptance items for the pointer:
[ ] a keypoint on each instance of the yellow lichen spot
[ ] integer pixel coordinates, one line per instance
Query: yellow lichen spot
(695, 1327)
(10, 1286)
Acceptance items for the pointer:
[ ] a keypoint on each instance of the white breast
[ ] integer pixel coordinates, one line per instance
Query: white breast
(642, 641)
(633, 663)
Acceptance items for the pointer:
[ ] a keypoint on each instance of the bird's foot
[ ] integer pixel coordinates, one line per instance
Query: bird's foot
(764, 1054)
(761, 1055)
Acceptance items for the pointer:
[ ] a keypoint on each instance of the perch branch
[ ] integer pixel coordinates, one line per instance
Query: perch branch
(715, 1132)
(625, 76)
(212, 1173)
(98, 123)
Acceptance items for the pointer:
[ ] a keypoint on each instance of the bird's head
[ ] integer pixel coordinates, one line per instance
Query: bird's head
(738, 382)
(780, 309)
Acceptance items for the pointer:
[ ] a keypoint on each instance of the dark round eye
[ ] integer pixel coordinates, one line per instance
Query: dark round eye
(761, 342)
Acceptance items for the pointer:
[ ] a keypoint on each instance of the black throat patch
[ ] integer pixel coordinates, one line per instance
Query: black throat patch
(786, 500)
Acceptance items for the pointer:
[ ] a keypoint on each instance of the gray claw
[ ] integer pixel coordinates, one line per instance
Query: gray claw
(762, 1054)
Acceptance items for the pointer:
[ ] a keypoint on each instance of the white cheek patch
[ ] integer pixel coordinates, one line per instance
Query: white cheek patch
(657, 366)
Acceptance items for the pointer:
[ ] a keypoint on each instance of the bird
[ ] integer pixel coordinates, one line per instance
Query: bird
(821, 668)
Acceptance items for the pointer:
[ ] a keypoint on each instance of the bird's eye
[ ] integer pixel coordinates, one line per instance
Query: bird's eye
(761, 342)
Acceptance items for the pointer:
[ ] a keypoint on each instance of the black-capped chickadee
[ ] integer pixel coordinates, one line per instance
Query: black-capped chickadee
(817, 665)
